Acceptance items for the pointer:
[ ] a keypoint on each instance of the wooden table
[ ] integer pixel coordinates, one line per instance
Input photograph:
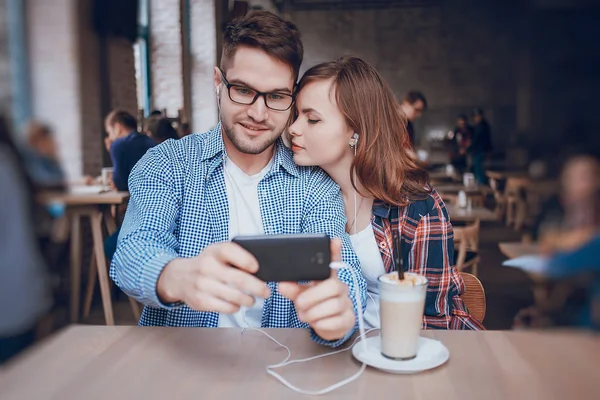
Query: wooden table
(449, 193)
(518, 249)
(453, 188)
(77, 198)
(468, 215)
(96, 207)
(501, 175)
(92, 362)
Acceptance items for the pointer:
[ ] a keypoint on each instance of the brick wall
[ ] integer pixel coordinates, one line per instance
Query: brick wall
(121, 75)
(5, 90)
(166, 58)
(90, 93)
(54, 67)
(166, 55)
(73, 85)
(565, 82)
(459, 57)
(203, 58)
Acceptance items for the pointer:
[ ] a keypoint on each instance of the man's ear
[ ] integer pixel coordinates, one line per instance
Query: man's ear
(217, 77)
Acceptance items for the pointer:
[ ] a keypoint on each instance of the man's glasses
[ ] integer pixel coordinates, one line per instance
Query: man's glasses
(242, 94)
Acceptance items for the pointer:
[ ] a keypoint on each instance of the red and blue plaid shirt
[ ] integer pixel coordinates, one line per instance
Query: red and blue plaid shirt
(427, 246)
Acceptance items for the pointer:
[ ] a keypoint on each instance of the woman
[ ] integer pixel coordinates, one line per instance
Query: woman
(349, 124)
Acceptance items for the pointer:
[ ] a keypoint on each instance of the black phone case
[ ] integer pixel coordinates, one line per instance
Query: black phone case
(289, 258)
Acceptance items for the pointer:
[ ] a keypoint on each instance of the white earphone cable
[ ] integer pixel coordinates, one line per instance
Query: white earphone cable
(362, 334)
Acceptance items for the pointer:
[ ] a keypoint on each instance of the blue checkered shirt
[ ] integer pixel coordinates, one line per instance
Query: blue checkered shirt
(178, 206)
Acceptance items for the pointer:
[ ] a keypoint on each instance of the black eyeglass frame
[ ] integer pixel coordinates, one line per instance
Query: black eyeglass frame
(264, 95)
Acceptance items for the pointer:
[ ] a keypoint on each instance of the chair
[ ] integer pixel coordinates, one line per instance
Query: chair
(474, 296)
(516, 207)
(89, 292)
(466, 247)
(499, 197)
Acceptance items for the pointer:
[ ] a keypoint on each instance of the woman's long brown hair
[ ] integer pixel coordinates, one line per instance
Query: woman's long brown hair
(382, 164)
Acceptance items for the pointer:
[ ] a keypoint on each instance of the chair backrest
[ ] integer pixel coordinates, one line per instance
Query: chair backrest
(467, 236)
(495, 186)
(474, 296)
(515, 185)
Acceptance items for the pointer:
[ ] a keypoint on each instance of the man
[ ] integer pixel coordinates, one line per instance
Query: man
(413, 105)
(127, 145)
(481, 144)
(191, 196)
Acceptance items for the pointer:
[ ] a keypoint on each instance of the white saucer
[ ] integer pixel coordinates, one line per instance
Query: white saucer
(430, 354)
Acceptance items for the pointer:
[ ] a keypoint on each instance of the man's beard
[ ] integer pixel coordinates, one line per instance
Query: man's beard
(248, 146)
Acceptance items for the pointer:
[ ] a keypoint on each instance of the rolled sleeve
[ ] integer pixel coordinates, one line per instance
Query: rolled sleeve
(146, 241)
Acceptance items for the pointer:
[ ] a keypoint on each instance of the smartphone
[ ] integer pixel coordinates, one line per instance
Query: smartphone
(289, 258)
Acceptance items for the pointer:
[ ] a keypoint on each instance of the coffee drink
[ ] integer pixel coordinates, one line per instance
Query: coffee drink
(402, 303)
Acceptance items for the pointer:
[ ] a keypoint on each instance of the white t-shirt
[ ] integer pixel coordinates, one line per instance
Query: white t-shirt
(244, 219)
(365, 247)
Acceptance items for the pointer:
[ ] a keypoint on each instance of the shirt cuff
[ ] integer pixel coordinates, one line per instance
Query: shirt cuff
(331, 343)
(149, 279)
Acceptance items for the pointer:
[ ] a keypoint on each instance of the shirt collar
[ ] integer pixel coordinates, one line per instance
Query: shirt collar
(214, 146)
(381, 209)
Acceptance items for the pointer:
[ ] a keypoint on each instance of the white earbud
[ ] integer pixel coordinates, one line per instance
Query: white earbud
(218, 90)
(353, 140)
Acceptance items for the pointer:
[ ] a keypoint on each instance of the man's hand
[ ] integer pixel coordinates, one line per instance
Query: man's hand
(325, 305)
(211, 281)
(107, 143)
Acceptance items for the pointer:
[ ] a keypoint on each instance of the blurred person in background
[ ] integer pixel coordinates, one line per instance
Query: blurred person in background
(481, 144)
(161, 129)
(127, 145)
(459, 142)
(581, 267)
(25, 294)
(575, 209)
(413, 106)
(568, 233)
(41, 157)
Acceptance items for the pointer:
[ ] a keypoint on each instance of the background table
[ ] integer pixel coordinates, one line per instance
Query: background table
(469, 215)
(92, 362)
(96, 207)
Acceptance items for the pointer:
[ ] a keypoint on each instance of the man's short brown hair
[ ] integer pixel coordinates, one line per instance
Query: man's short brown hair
(413, 96)
(121, 117)
(265, 31)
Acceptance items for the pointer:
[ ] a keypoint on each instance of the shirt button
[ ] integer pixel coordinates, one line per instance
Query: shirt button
(383, 245)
